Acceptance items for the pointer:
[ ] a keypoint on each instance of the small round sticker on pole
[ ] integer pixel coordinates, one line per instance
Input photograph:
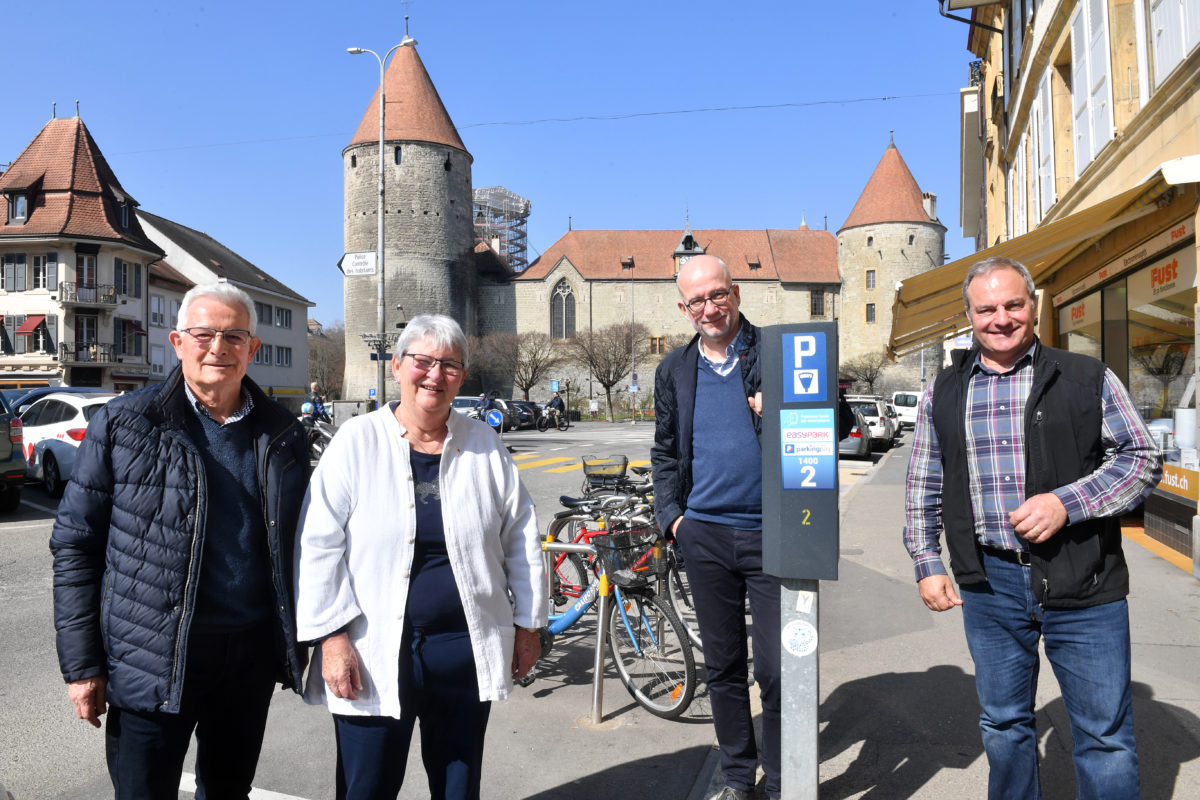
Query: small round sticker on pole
(800, 638)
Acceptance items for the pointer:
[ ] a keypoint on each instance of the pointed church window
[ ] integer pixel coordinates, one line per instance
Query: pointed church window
(562, 311)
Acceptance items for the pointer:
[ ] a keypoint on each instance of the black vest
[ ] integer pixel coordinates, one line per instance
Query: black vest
(1081, 565)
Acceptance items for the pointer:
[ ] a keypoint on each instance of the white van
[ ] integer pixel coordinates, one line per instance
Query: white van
(906, 406)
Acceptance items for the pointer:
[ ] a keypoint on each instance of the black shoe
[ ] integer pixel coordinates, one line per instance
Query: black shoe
(730, 793)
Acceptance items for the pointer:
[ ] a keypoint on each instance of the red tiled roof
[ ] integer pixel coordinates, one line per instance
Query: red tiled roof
(792, 256)
(414, 109)
(72, 188)
(891, 195)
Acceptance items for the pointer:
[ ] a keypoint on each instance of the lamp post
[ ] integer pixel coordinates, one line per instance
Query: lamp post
(382, 339)
(632, 347)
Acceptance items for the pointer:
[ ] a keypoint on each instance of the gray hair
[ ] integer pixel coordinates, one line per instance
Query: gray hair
(224, 292)
(437, 328)
(990, 265)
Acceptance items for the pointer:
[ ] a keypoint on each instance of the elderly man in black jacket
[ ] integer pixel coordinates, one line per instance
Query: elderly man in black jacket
(173, 558)
(707, 461)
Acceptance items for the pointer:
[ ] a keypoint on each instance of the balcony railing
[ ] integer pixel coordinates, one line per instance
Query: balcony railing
(102, 294)
(86, 352)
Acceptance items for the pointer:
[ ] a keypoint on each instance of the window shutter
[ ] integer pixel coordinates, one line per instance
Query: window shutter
(137, 280)
(51, 332)
(1165, 24)
(1098, 66)
(52, 271)
(21, 272)
(18, 320)
(8, 334)
(118, 338)
(137, 344)
(10, 267)
(1079, 94)
(1046, 148)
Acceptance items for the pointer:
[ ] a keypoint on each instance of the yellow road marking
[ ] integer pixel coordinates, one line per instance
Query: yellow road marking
(567, 468)
(1158, 548)
(543, 462)
(524, 456)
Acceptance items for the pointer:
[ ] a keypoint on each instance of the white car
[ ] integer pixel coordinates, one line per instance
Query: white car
(874, 410)
(53, 428)
(906, 406)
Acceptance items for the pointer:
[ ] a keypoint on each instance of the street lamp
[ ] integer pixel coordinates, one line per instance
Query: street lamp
(382, 339)
(628, 264)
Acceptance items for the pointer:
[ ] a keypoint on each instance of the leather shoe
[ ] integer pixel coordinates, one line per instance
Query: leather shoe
(730, 793)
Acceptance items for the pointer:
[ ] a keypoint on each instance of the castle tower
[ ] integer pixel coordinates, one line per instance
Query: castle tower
(428, 231)
(892, 233)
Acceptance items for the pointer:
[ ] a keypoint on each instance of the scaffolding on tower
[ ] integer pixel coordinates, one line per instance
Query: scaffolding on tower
(500, 223)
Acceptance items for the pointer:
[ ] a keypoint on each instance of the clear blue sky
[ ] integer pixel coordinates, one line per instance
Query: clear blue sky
(230, 117)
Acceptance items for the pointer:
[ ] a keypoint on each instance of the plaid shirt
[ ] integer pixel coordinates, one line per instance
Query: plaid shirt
(198, 407)
(995, 411)
(731, 356)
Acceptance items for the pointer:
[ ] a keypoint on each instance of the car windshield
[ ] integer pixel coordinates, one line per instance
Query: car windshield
(464, 402)
(869, 410)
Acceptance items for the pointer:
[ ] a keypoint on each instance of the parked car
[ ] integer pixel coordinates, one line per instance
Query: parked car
(906, 406)
(894, 416)
(527, 413)
(874, 409)
(12, 458)
(53, 428)
(21, 399)
(857, 443)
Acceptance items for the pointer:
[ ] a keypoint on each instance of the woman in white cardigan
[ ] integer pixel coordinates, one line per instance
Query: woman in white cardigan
(419, 577)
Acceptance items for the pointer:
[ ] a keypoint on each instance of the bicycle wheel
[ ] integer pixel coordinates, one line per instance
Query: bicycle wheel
(561, 421)
(571, 578)
(542, 424)
(652, 654)
(679, 593)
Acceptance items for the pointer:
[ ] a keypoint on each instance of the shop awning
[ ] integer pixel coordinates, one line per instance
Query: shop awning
(929, 307)
(30, 324)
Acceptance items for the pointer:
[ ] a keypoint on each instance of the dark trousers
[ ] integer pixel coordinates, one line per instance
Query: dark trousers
(724, 566)
(439, 688)
(227, 688)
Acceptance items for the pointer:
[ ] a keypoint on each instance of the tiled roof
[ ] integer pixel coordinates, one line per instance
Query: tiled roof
(789, 255)
(73, 191)
(414, 110)
(217, 258)
(891, 195)
(162, 272)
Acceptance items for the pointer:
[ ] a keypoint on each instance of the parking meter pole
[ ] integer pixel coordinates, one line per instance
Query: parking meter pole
(800, 695)
(598, 662)
(798, 364)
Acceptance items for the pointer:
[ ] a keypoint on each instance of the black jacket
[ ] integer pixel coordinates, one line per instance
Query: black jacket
(674, 406)
(129, 534)
(1081, 565)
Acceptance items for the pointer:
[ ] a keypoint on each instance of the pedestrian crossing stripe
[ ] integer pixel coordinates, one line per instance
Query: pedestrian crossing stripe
(543, 462)
(524, 456)
(579, 465)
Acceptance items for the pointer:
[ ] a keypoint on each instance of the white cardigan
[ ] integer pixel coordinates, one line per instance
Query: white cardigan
(358, 528)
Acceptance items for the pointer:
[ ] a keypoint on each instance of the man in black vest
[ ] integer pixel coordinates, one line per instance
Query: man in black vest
(707, 461)
(1024, 456)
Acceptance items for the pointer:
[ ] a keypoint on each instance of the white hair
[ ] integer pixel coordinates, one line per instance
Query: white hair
(437, 328)
(224, 292)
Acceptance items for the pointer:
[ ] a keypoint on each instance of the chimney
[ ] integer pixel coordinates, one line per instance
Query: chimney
(929, 201)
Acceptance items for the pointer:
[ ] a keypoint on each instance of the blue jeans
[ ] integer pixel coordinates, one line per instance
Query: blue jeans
(724, 567)
(1088, 649)
(438, 687)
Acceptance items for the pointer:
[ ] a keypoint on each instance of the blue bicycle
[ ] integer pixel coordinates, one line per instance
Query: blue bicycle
(649, 643)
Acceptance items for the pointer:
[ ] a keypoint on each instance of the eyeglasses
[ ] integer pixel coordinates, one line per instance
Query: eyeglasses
(718, 298)
(234, 337)
(451, 368)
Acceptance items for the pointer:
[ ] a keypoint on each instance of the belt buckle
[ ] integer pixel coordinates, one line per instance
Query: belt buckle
(1024, 558)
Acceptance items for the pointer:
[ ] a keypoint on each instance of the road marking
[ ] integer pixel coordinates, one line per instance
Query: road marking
(40, 508)
(524, 456)
(187, 783)
(554, 449)
(639, 463)
(567, 468)
(543, 462)
(12, 527)
(1159, 549)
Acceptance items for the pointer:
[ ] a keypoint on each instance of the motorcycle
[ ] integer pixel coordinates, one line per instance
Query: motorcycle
(317, 432)
(551, 416)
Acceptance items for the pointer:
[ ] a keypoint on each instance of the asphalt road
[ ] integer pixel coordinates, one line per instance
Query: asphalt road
(45, 753)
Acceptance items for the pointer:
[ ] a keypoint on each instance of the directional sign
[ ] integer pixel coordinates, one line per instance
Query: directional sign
(359, 263)
(495, 418)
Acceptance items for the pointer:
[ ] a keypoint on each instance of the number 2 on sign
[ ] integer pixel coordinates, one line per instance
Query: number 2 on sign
(810, 474)
(806, 514)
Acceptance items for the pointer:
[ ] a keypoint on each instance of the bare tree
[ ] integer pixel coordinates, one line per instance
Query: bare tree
(327, 359)
(606, 353)
(526, 358)
(866, 369)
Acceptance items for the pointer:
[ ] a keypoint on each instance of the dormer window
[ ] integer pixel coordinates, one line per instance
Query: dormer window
(125, 216)
(754, 263)
(18, 209)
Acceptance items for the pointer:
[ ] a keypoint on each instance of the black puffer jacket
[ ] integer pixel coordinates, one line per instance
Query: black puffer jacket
(674, 405)
(130, 532)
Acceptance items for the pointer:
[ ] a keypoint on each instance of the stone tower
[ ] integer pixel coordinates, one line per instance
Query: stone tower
(428, 232)
(892, 233)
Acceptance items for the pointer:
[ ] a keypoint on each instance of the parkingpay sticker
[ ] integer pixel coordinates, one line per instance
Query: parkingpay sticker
(800, 638)
(808, 448)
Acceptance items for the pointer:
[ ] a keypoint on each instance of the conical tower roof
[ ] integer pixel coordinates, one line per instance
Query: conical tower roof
(414, 110)
(77, 192)
(891, 195)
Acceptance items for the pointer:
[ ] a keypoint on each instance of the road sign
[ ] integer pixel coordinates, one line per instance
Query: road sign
(384, 356)
(633, 387)
(554, 386)
(359, 263)
(495, 418)
(371, 392)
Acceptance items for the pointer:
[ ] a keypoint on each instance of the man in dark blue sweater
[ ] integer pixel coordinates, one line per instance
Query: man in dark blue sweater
(707, 462)
(173, 558)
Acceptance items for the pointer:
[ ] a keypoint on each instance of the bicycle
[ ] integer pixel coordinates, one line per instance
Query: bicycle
(551, 416)
(649, 643)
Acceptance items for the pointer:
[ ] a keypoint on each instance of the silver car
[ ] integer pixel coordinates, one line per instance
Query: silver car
(857, 443)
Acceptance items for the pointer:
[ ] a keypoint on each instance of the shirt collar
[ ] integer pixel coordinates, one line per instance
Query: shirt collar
(731, 351)
(201, 411)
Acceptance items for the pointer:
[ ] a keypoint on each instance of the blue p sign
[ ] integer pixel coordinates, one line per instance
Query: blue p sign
(804, 378)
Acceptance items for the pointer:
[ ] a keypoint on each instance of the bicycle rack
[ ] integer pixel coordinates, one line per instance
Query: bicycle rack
(601, 627)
